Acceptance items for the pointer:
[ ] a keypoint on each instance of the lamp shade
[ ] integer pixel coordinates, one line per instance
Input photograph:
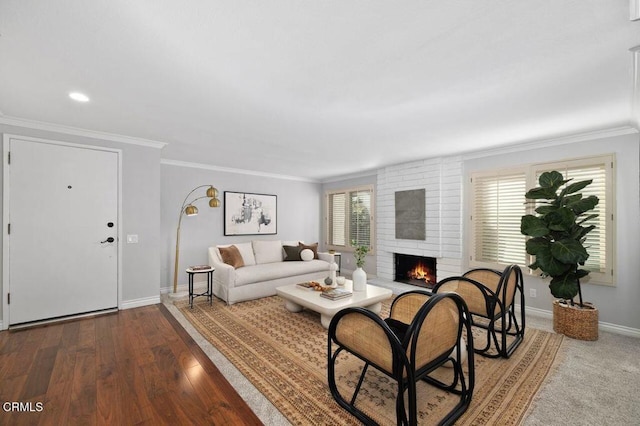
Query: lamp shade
(214, 202)
(212, 193)
(191, 210)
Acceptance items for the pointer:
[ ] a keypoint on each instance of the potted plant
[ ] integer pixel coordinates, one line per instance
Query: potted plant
(359, 276)
(558, 233)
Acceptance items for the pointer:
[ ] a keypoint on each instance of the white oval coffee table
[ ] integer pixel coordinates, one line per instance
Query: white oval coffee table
(297, 298)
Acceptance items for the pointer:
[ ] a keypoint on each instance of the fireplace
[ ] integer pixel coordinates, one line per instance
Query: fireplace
(415, 270)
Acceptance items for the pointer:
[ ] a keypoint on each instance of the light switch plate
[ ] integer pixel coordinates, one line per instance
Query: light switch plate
(132, 239)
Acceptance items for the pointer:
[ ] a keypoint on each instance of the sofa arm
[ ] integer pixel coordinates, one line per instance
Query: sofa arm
(224, 274)
(327, 257)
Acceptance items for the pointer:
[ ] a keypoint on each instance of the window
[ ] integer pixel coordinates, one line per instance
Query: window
(498, 203)
(350, 217)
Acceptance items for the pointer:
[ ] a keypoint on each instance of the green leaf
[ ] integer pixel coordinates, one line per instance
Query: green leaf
(577, 186)
(564, 286)
(581, 273)
(533, 226)
(542, 210)
(571, 199)
(569, 251)
(580, 232)
(591, 216)
(561, 220)
(584, 205)
(538, 245)
(549, 264)
(541, 194)
(552, 180)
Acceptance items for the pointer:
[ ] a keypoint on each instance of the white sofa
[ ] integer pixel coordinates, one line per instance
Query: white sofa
(264, 269)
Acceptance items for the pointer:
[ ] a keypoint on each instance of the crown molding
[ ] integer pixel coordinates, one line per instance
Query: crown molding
(76, 131)
(579, 137)
(365, 173)
(177, 163)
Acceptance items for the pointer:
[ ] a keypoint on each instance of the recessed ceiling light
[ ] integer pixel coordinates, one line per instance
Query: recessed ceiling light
(80, 97)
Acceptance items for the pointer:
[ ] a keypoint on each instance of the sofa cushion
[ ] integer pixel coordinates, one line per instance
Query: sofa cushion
(246, 251)
(273, 271)
(268, 251)
(292, 253)
(312, 247)
(231, 256)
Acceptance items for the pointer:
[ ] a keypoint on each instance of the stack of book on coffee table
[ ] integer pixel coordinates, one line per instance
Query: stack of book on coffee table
(335, 293)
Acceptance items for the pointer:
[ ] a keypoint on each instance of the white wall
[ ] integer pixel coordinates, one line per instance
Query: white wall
(140, 268)
(442, 180)
(298, 213)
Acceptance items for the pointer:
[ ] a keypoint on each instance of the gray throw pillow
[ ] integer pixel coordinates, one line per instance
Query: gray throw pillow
(292, 253)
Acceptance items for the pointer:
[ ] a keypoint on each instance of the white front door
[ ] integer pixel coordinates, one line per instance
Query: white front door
(63, 235)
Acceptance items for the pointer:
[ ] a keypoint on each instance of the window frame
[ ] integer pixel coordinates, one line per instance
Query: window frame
(531, 171)
(327, 219)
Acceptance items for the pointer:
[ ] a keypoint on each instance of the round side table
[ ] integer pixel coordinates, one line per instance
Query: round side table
(209, 292)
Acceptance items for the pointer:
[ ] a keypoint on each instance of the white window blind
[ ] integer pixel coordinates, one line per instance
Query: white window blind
(360, 217)
(499, 204)
(350, 217)
(337, 219)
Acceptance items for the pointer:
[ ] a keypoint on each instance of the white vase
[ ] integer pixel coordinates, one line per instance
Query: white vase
(359, 278)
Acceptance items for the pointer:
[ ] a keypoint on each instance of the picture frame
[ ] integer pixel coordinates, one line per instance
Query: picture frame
(247, 213)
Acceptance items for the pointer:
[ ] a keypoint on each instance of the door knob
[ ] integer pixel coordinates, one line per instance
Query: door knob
(108, 240)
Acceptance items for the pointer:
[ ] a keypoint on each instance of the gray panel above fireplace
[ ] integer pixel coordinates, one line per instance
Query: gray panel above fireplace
(410, 214)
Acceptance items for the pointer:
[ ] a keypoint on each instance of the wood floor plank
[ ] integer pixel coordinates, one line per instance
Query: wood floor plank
(40, 373)
(136, 366)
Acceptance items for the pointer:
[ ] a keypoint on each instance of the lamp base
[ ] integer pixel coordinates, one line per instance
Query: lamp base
(178, 295)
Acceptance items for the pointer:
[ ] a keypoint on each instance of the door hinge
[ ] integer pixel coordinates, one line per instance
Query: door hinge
(9, 157)
(8, 228)
(8, 298)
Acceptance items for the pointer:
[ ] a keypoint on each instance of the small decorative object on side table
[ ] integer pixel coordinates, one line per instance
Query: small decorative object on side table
(200, 269)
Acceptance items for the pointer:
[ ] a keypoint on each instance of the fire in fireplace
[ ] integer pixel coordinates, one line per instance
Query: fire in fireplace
(415, 270)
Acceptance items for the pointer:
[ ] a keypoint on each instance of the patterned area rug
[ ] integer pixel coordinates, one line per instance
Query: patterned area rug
(284, 355)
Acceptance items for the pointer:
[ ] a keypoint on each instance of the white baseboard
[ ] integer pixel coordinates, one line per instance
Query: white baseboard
(604, 326)
(198, 287)
(137, 303)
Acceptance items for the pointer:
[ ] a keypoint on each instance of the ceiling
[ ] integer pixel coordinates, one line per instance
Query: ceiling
(315, 89)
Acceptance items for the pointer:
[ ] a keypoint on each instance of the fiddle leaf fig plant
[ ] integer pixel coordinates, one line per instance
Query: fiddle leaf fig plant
(558, 232)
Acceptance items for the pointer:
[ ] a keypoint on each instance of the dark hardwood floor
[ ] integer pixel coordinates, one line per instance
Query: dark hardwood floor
(137, 366)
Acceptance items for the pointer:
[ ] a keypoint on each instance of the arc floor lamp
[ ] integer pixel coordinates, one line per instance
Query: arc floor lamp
(189, 209)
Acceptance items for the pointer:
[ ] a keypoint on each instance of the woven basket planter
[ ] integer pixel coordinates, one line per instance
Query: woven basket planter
(575, 322)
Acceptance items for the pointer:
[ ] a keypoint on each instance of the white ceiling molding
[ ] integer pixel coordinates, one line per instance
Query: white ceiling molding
(580, 137)
(635, 9)
(365, 173)
(636, 86)
(178, 163)
(76, 131)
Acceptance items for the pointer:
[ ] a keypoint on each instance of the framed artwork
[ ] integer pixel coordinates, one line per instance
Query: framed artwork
(250, 214)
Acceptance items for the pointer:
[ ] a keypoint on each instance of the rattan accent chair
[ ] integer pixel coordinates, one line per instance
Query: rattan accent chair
(420, 335)
(490, 294)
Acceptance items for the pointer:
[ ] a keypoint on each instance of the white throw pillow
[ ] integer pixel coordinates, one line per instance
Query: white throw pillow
(267, 251)
(246, 251)
(306, 255)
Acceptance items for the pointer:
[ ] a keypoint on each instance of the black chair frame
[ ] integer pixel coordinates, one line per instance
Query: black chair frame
(508, 318)
(403, 371)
